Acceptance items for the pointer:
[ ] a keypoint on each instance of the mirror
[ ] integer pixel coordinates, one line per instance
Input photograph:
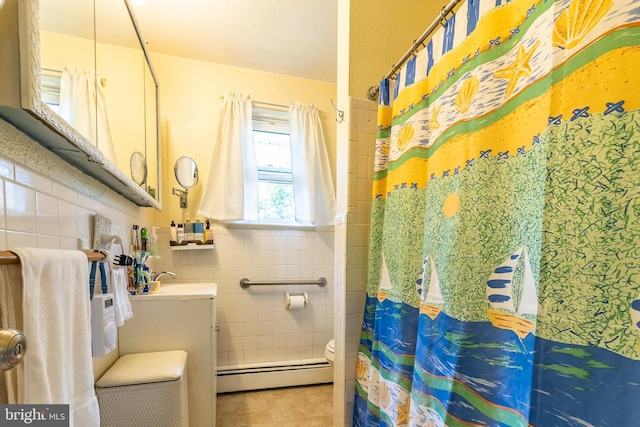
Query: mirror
(186, 172)
(138, 168)
(95, 48)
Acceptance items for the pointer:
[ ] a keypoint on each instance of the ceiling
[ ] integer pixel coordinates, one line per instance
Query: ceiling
(292, 37)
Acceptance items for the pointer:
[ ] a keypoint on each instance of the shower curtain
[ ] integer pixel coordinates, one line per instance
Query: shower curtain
(504, 267)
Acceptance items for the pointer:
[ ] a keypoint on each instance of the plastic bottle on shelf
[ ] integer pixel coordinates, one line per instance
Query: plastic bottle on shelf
(188, 229)
(174, 232)
(180, 233)
(198, 232)
(208, 234)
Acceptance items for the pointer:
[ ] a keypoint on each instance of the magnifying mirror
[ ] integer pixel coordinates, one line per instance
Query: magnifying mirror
(138, 168)
(186, 172)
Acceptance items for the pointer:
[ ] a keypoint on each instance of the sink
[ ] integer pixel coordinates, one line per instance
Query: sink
(179, 288)
(172, 290)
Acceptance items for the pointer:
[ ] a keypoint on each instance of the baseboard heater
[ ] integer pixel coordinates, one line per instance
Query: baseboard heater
(259, 376)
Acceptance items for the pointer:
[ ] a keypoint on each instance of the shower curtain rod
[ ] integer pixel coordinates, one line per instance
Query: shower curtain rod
(372, 93)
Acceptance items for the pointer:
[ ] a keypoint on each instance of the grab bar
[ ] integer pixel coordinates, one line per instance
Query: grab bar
(245, 283)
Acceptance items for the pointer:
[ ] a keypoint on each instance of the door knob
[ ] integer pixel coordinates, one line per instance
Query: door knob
(13, 345)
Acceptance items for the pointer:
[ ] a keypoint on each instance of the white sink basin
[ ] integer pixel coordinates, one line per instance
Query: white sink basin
(172, 290)
(181, 288)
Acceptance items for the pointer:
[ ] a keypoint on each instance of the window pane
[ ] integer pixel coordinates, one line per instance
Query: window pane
(272, 150)
(276, 200)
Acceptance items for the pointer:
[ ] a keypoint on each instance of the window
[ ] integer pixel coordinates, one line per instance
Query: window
(273, 155)
(50, 87)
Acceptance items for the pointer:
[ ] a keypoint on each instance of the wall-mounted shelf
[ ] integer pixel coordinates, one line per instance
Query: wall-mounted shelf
(191, 247)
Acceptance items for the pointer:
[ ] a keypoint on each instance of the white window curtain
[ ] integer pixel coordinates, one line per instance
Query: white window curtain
(232, 191)
(83, 106)
(312, 184)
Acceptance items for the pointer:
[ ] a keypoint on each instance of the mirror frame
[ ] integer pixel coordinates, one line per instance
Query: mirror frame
(137, 161)
(37, 120)
(177, 169)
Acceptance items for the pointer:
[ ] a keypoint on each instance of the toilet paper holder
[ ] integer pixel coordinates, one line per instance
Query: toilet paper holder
(294, 301)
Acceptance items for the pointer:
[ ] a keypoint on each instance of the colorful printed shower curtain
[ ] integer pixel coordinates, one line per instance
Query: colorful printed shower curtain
(504, 267)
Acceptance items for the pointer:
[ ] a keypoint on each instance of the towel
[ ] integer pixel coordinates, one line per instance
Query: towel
(118, 279)
(57, 323)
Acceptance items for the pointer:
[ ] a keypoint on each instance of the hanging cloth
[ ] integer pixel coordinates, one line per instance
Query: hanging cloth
(92, 278)
(232, 189)
(312, 184)
(83, 105)
(503, 286)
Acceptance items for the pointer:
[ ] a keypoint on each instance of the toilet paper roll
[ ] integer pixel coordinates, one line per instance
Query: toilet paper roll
(296, 301)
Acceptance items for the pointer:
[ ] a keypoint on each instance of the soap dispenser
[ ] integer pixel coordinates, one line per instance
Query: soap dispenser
(153, 242)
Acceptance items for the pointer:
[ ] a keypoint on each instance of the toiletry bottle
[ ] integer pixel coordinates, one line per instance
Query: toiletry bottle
(198, 232)
(153, 242)
(180, 233)
(208, 234)
(135, 239)
(188, 228)
(144, 238)
(174, 232)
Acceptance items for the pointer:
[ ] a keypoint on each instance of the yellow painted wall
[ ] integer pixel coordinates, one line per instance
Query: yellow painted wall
(190, 104)
(381, 31)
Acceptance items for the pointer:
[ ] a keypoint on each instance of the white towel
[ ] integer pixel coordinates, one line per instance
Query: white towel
(57, 323)
(117, 283)
(118, 286)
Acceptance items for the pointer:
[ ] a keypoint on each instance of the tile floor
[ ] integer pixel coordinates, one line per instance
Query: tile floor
(308, 406)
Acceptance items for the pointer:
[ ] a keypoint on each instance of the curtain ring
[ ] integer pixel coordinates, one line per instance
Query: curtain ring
(443, 17)
(340, 117)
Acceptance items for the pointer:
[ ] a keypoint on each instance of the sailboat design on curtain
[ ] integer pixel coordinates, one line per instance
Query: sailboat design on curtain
(431, 302)
(511, 290)
(385, 281)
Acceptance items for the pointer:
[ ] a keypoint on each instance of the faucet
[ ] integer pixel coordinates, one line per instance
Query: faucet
(156, 276)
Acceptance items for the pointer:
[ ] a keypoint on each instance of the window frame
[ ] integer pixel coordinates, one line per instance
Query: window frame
(270, 118)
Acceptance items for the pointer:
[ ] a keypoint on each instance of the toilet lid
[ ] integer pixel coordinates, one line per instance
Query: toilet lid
(331, 346)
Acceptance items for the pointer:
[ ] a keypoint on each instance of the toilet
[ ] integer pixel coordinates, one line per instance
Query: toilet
(329, 351)
(145, 389)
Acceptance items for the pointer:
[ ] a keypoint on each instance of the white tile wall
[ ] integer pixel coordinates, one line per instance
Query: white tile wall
(255, 326)
(54, 208)
(45, 209)
(352, 242)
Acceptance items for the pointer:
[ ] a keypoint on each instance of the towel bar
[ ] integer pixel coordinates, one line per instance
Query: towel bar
(245, 283)
(8, 257)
